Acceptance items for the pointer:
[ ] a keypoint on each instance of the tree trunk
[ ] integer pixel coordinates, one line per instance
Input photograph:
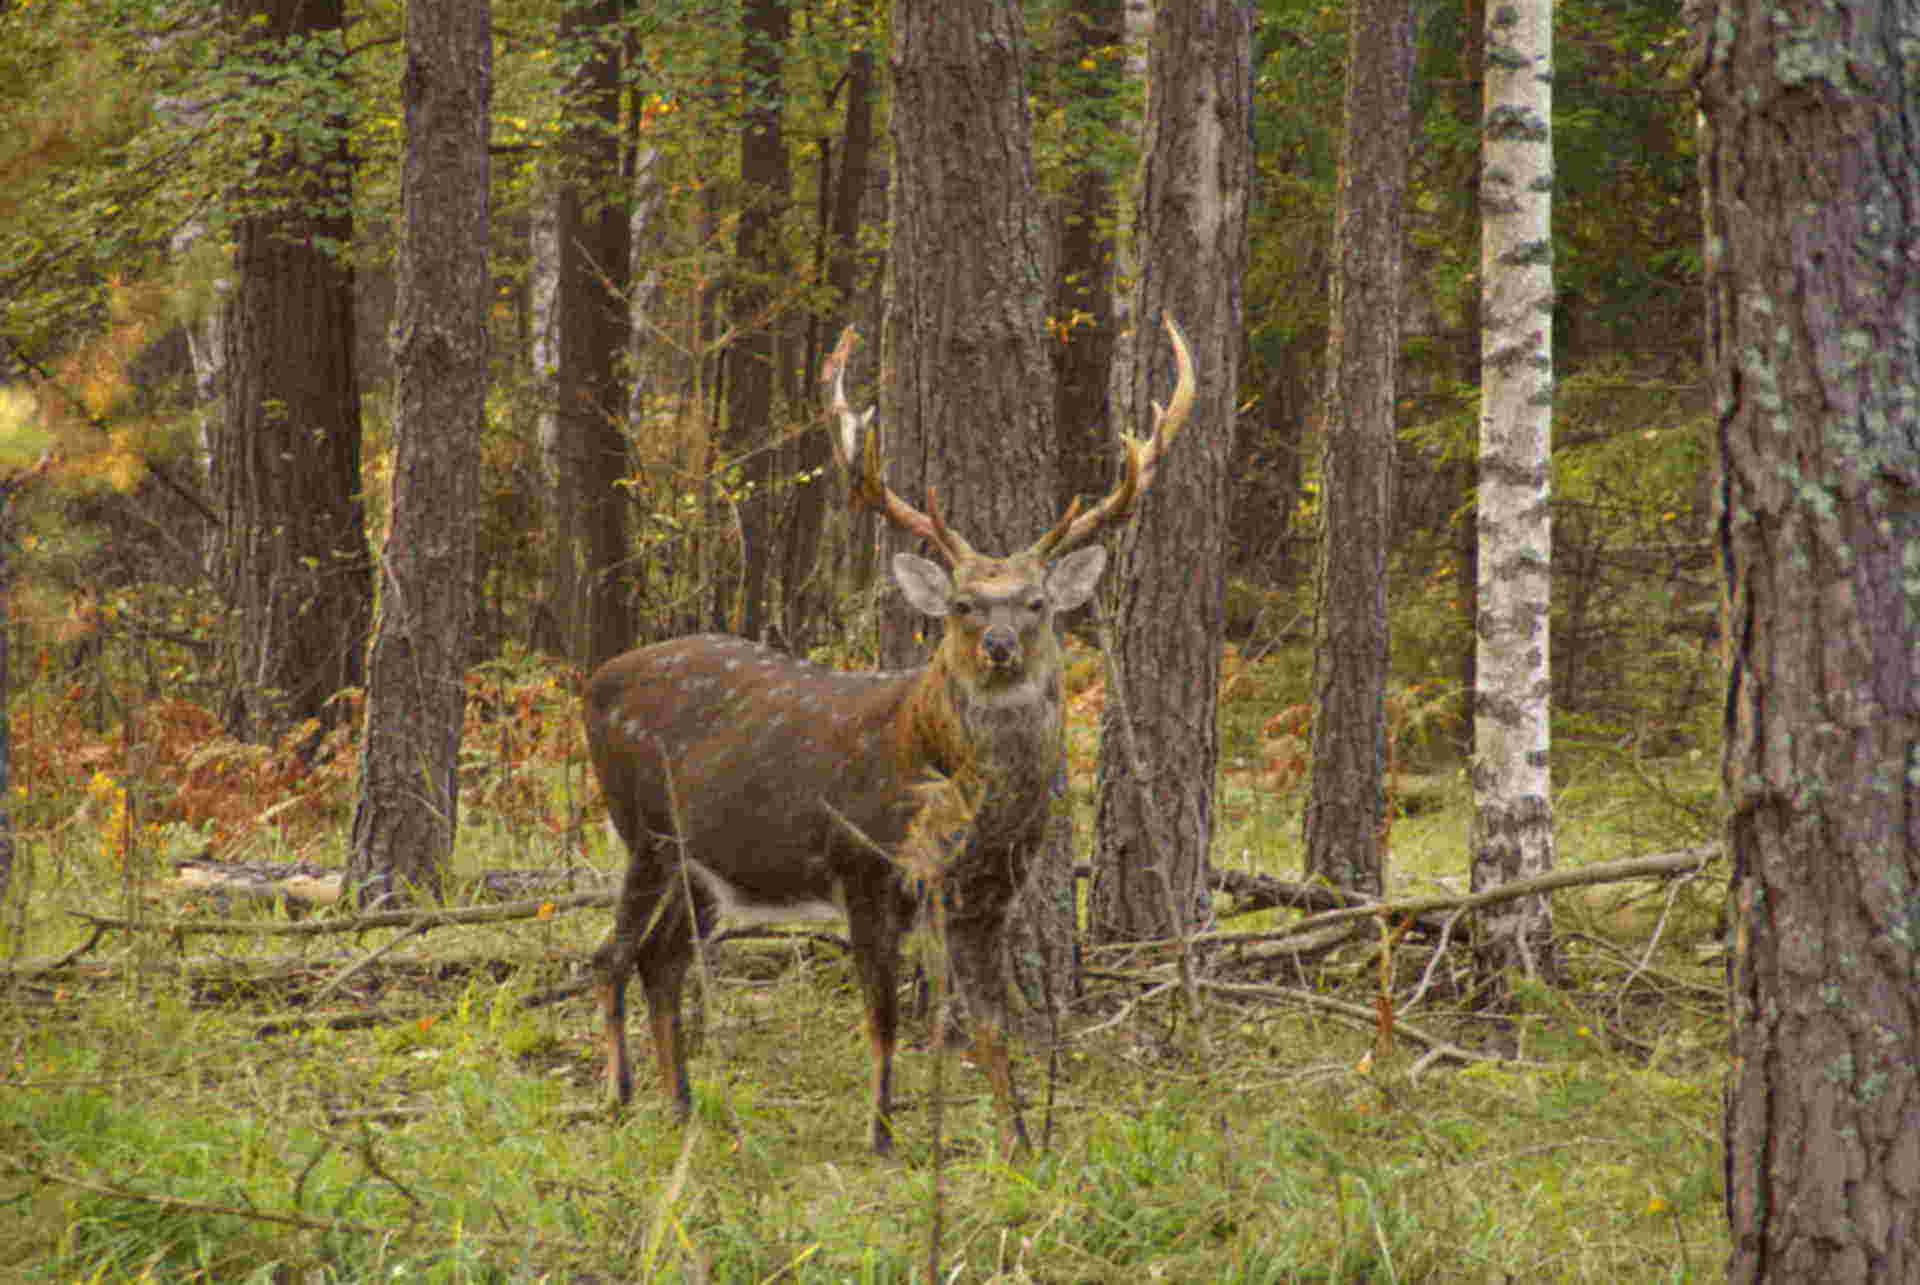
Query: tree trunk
(966, 399)
(1345, 814)
(291, 554)
(406, 813)
(1168, 581)
(1512, 784)
(754, 298)
(587, 449)
(1812, 186)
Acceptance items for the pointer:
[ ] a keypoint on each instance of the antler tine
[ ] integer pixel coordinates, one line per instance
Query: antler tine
(853, 442)
(1142, 458)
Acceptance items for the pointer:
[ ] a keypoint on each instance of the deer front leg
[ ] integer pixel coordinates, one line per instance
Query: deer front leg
(973, 943)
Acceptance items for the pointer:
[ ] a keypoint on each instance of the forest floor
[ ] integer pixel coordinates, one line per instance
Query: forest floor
(395, 1104)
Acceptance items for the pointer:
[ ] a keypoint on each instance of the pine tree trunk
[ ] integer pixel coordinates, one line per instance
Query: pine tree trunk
(406, 813)
(966, 392)
(1512, 784)
(1153, 832)
(1812, 189)
(291, 553)
(586, 448)
(1345, 811)
(758, 266)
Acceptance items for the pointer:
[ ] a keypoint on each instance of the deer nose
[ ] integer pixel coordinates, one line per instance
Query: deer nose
(1001, 647)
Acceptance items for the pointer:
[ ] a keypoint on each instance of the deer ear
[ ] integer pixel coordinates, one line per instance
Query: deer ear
(1071, 581)
(925, 583)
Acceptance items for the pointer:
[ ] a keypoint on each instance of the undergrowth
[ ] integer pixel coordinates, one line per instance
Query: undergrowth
(195, 1108)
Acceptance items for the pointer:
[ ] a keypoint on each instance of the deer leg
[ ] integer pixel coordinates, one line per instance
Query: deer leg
(874, 931)
(650, 933)
(973, 941)
(661, 976)
(612, 992)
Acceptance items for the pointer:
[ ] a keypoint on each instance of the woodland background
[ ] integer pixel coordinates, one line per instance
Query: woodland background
(185, 658)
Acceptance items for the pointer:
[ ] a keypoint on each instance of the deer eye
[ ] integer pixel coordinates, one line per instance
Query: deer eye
(1036, 604)
(962, 607)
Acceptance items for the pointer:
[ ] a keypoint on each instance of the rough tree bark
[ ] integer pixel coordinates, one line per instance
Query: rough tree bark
(291, 551)
(582, 438)
(406, 813)
(966, 396)
(1512, 785)
(1812, 176)
(1345, 809)
(1152, 835)
(753, 300)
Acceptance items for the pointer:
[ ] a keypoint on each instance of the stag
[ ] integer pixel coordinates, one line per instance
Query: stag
(751, 786)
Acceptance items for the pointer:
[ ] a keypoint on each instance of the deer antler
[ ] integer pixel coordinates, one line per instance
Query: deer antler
(865, 486)
(1142, 458)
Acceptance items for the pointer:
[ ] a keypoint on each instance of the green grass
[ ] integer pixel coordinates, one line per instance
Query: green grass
(151, 1130)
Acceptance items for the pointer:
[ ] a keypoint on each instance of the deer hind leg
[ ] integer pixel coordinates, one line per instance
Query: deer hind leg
(651, 933)
(874, 925)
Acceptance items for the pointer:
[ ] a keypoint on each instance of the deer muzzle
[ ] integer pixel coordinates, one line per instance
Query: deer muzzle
(1000, 647)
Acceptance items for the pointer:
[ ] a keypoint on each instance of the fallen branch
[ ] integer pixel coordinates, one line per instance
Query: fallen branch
(304, 886)
(1660, 866)
(32, 968)
(1363, 1015)
(423, 919)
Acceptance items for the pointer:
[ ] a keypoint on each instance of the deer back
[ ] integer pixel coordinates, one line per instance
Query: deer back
(744, 744)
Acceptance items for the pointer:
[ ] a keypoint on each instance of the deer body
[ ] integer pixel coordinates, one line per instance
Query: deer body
(750, 785)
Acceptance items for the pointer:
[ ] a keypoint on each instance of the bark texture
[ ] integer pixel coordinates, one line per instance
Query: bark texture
(595, 243)
(291, 551)
(406, 814)
(1155, 815)
(1346, 806)
(752, 360)
(966, 395)
(1512, 784)
(1812, 178)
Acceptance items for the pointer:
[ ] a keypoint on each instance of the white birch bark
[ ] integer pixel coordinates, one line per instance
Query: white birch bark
(1513, 811)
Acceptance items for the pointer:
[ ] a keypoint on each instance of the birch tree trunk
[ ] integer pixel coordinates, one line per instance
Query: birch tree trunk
(1811, 171)
(1512, 785)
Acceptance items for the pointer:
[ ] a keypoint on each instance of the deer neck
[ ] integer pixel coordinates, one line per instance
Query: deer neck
(999, 740)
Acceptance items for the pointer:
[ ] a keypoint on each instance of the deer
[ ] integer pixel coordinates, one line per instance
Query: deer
(750, 786)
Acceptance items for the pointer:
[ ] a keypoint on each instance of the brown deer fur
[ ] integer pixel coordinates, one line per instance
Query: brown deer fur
(768, 788)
